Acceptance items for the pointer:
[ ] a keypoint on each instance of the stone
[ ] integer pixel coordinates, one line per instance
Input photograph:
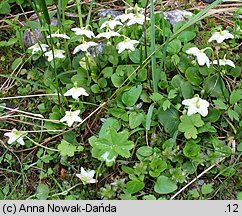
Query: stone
(175, 16)
(32, 37)
(109, 12)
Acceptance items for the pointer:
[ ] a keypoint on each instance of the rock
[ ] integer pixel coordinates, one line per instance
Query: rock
(109, 12)
(175, 16)
(31, 37)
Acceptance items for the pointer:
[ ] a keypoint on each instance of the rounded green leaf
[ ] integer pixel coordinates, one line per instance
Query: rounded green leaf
(207, 189)
(191, 149)
(66, 149)
(130, 97)
(169, 119)
(42, 192)
(134, 186)
(145, 151)
(135, 119)
(174, 46)
(193, 76)
(164, 185)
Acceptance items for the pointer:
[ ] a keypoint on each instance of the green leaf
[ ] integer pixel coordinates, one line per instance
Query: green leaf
(214, 86)
(10, 42)
(117, 80)
(1, 195)
(107, 72)
(192, 74)
(135, 56)
(169, 119)
(235, 96)
(186, 90)
(166, 105)
(207, 128)
(207, 189)
(102, 82)
(130, 97)
(70, 137)
(191, 149)
(188, 125)
(5, 7)
(220, 104)
(109, 123)
(186, 36)
(66, 149)
(95, 88)
(156, 97)
(110, 145)
(164, 185)
(42, 192)
(174, 46)
(172, 93)
(135, 119)
(149, 197)
(17, 62)
(213, 115)
(239, 196)
(134, 186)
(233, 115)
(145, 151)
(239, 148)
(157, 166)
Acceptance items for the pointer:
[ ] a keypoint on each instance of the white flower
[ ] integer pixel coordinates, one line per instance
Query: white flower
(86, 177)
(108, 34)
(125, 17)
(136, 9)
(57, 54)
(126, 44)
(221, 36)
(59, 36)
(75, 92)
(36, 48)
(71, 117)
(110, 24)
(138, 18)
(202, 58)
(83, 31)
(15, 135)
(196, 105)
(84, 46)
(223, 62)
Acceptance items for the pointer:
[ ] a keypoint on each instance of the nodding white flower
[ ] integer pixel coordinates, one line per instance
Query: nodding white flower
(75, 92)
(126, 44)
(196, 105)
(71, 117)
(83, 31)
(84, 46)
(137, 19)
(111, 24)
(124, 17)
(221, 36)
(223, 62)
(15, 135)
(108, 34)
(86, 176)
(38, 47)
(59, 36)
(202, 58)
(57, 54)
